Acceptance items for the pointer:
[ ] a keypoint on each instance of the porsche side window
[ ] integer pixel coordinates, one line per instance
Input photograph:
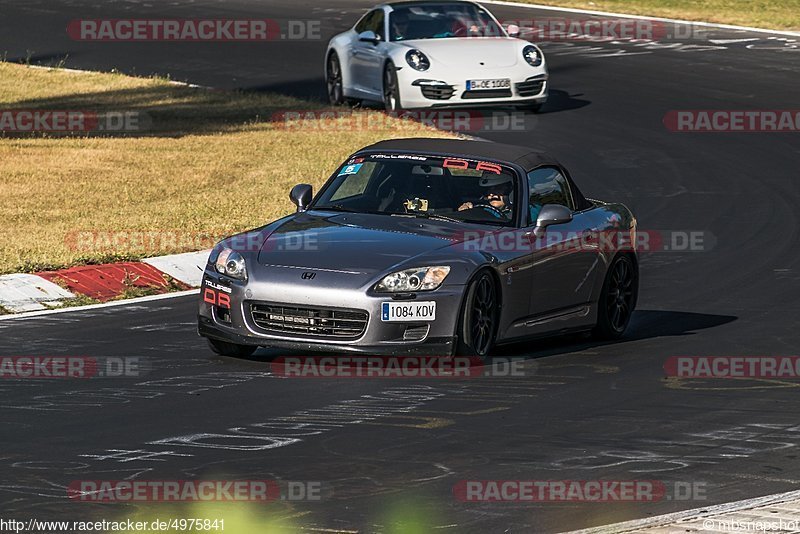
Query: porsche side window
(361, 25)
(373, 22)
(377, 24)
(546, 185)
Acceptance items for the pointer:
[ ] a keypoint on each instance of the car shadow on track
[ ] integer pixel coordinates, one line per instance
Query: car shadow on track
(645, 324)
(163, 109)
(563, 101)
(557, 101)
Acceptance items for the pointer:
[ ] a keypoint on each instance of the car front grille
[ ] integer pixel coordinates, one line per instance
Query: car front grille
(335, 323)
(438, 92)
(486, 93)
(530, 87)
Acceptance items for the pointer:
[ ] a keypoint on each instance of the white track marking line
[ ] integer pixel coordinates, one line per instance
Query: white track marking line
(629, 16)
(126, 302)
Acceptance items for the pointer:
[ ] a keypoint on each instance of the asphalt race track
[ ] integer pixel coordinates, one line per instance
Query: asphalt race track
(583, 411)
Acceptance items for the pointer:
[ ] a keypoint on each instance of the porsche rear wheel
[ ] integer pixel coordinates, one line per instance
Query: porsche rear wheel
(479, 317)
(617, 299)
(391, 89)
(223, 348)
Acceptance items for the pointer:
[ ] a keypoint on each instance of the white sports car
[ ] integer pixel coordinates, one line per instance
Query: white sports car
(434, 53)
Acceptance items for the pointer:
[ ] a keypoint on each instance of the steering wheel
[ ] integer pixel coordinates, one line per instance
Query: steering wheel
(493, 210)
(488, 208)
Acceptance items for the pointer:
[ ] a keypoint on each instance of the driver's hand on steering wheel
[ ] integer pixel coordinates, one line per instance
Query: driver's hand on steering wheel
(466, 206)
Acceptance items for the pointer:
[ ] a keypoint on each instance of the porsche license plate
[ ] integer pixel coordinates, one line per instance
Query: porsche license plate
(393, 312)
(482, 85)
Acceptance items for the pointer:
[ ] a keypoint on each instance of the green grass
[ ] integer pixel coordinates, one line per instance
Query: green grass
(78, 300)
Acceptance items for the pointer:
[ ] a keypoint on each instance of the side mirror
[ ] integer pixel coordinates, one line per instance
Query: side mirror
(512, 30)
(551, 214)
(301, 196)
(369, 36)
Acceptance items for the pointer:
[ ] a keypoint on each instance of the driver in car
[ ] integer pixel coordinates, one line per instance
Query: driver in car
(495, 200)
(400, 26)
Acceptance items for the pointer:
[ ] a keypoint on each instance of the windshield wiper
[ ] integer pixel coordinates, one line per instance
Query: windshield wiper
(339, 207)
(434, 216)
(335, 207)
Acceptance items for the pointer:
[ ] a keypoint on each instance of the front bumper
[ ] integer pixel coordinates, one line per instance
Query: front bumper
(237, 324)
(430, 89)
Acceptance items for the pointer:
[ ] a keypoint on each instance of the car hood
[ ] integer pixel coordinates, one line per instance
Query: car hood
(352, 242)
(470, 52)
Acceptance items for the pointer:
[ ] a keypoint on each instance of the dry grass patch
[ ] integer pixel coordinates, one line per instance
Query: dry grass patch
(211, 163)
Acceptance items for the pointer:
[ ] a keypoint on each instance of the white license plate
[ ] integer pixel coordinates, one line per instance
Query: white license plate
(480, 85)
(394, 312)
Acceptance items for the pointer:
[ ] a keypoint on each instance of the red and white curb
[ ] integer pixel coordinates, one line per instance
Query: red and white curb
(21, 293)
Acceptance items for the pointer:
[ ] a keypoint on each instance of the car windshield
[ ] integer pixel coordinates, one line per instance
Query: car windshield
(437, 21)
(456, 189)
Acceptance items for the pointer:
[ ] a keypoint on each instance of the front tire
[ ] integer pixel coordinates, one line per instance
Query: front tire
(477, 327)
(391, 89)
(617, 299)
(333, 80)
(223, 348)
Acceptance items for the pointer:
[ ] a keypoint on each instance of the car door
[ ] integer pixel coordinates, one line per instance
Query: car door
(367, 58)
(564, 256)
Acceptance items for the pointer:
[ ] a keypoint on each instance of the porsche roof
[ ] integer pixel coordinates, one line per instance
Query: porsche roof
(525, 157)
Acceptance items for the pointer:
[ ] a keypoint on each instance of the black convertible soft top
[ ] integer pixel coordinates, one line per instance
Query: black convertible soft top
(525, 157)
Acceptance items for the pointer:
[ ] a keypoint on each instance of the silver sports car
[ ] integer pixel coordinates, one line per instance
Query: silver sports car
(426, 246)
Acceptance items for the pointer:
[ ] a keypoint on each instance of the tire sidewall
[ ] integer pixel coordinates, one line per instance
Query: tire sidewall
(603, 329)
(389, 67)
(331, 57)
(463, 349)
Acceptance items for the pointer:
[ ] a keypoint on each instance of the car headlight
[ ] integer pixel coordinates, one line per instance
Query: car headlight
(419, 279)
(532, 55)
(417, 60)
(228, 262)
